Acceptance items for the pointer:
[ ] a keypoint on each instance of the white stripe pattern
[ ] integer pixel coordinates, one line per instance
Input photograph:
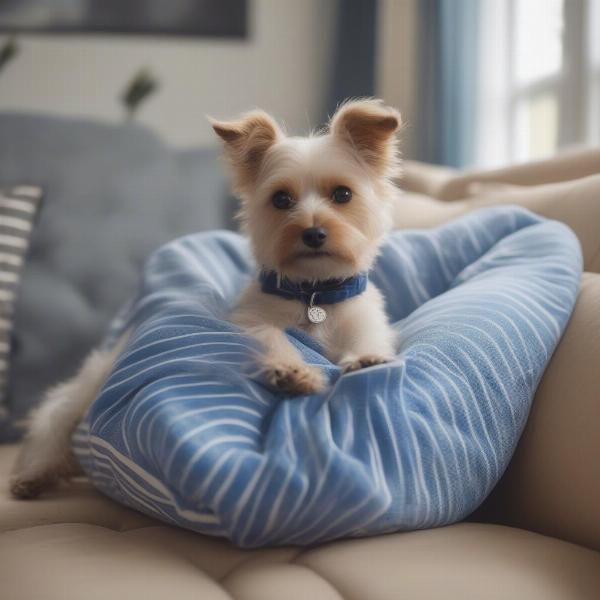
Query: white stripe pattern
(183, 432)
(18, 210)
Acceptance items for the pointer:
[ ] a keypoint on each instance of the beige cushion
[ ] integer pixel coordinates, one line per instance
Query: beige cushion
(576, 203)
(76, 544)
(449, 184)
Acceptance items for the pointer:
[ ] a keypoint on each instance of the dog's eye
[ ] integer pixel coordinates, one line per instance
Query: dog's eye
(281, 200)
(342, 194)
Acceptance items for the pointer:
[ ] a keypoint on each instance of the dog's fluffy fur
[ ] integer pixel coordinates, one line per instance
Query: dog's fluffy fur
(358, 151)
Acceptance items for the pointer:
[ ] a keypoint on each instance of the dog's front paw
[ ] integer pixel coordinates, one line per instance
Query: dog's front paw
(362, 362)
(294, 378)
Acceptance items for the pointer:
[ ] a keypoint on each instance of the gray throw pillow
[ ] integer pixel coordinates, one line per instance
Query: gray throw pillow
(113, 192)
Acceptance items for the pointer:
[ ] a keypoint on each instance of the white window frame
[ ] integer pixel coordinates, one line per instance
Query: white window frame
(576, 86)
(553, 84)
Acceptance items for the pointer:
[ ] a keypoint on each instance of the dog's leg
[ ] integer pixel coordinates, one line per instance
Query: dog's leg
(364, 337)
(46, 455)
(282, 365)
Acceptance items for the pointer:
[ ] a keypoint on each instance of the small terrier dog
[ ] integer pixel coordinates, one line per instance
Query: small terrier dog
(316, 210)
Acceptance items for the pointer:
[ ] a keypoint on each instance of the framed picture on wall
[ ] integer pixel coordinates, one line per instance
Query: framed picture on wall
(215, 18)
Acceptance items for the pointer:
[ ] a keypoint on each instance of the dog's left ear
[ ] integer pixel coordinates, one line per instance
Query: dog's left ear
(370, 128)
(246, 142)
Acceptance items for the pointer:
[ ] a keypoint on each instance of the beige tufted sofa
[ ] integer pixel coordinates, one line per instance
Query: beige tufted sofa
(537, 536)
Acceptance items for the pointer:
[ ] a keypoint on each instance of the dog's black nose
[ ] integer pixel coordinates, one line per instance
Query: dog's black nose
(314, 237)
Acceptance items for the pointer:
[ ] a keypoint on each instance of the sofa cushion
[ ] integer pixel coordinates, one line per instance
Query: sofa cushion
(575, 203)
(114, 192)
(75, 543)
(180, 430)
(449, 184)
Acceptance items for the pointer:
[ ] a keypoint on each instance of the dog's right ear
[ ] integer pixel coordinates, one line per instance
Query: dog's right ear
(246, 141)
(369, 128)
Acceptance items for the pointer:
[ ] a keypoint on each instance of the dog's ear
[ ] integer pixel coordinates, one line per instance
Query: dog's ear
(246, 141)
(370, 128)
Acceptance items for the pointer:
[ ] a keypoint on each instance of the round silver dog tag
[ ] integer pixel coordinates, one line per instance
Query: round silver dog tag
(316, 314)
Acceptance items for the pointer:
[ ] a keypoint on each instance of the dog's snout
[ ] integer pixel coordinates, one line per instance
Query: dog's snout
(314, 237)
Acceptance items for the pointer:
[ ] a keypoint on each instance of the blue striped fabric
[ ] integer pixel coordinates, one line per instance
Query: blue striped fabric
(182, 432)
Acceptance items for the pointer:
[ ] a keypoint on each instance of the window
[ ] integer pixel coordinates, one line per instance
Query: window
(540, 78)
(593, 37)
(535, 77)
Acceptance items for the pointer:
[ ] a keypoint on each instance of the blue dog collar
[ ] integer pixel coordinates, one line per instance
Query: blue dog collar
(329, 291)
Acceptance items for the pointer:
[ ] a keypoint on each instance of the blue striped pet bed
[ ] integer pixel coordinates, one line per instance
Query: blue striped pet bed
(181, 431)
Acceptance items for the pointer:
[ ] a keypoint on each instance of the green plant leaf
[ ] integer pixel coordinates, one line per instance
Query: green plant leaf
(8, 51)
(138, 90)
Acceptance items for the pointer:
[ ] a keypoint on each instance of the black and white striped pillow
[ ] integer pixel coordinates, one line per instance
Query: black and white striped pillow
(19, 207)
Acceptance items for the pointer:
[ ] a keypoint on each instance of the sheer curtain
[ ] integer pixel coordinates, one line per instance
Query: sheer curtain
(447, 71)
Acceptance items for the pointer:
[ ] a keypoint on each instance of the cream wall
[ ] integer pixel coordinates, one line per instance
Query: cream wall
(283, 67)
